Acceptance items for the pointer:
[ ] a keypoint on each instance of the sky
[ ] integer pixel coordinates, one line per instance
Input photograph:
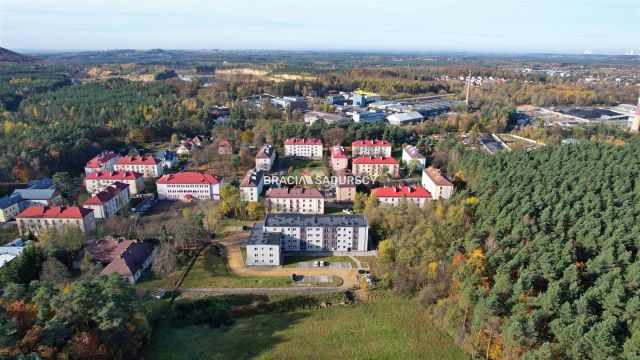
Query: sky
(487, 26)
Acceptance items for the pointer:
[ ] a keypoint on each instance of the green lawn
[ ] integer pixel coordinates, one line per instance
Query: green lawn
(292, 261)
(388, 328)
(9, 234)
(211, 271)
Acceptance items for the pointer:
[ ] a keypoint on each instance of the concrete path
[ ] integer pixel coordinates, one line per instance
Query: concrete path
(358, 263)
(234, 291)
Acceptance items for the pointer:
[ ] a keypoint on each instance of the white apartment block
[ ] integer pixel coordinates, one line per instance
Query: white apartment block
(266, 157)
(252, 185)
(371, 148)
(109, 201)
(38, 219)
(100, 180)
(189, 186)
(149, 167)
(296, 200)
(375, 166)
(436, 183)
(264, 248)
(411, 153)
(339, 158)
(308, 148)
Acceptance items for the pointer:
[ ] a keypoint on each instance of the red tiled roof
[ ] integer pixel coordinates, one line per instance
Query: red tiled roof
(224, 143)
(137, 160)
(189, 177)
(413, 152)
(338, 152)
(106, 194)
(55, 212)
(296, 141)
(97, 161)
(113, 175)
(384, 143)
(299, 193)
(400, 191)
(437, 177)
(375, 160)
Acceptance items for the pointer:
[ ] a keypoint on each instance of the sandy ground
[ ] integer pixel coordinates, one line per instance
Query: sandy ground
(233, 242)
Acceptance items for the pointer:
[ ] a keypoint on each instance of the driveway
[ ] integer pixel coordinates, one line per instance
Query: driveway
(233, 242)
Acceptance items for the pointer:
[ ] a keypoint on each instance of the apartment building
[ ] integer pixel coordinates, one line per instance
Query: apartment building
(38, 197)
(252, 185)
(102, 162)
(266, 157)
(149, 167)
(371, 148)
(109, 201)
(393, 195)
(308, 148)
(300, 232)
(436, 183)
(9, 207)
(100, 180)
(38, 219)
(295, 200)
(339, 158)
(375, 166)
(411, 153)
(345, 186)
(189, 186)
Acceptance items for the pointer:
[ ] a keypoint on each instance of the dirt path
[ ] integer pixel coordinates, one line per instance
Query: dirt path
(232, 244)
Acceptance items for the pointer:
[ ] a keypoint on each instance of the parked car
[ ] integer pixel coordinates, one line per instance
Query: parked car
(316, 263)
(323, 263)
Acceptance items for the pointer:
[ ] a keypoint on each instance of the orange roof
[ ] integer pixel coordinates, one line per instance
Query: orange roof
(137, 160)
(97, 161)
(437, 177)
(113, 175)
(296, 141)
(384, 143)
(189, 177)
(375, 160)
(400, 191)
(55, 212)
(106, 194)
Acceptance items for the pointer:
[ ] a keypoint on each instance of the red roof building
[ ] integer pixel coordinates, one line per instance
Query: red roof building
(147, 165)
(36, 219)
(104, 161)
(339, 158)
(189, 185)
(392, 195)
(189, 177)
(308, 148)
(436, 183)
(100, 180)
(296, 200)
(371, 148)
(109, 201)
(373, 166)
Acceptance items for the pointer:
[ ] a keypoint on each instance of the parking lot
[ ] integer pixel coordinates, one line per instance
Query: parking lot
(314, 278)
(338, 265)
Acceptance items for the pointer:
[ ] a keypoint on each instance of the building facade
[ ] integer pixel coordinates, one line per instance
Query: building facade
(252, 185)
(109, 201)
(266, 157)
(371, 148)
(296, 200)
(339, 158)
(375, 166)
(411, 153)
(149, 167)
(9, 207)
(100, 180)
(102, 162)
(38, 219)
(345, 186)
(393, 195)
(307, 148)
(188, 186)
(436, 183)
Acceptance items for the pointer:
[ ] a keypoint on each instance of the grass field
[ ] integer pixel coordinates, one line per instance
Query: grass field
(8, 234)
(292, 261)
(211, 271)
(388, 328)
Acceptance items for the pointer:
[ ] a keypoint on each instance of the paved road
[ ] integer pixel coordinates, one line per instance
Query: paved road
(230, 291)
(232, 244)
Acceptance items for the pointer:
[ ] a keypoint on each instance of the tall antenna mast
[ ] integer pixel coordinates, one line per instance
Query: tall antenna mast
(468, 88)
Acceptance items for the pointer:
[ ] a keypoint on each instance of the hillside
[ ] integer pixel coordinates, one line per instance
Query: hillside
(14, 57)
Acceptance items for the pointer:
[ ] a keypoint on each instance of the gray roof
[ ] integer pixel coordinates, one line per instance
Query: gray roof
(44, 183)
(165, 155)
(309, 220)
(7, 201)
(35, 194)
(259, 237)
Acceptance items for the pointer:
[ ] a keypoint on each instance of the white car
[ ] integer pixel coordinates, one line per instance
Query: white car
(323, 263)
(316, 263)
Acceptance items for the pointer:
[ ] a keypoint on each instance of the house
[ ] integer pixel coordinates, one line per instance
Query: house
(148, 166)
(345, 186)
(9, 207)
(252, 185)
(100, 180)
(371, 148)
(109, 201)
(308, 148)
(339, 158)
(375, 166)
(198, 140)
(185, 148)
(102, 162)
(188, 186)
(409, 117)
(296, 200)
(394, 194)
(266, 157)
(299, 232)
(129, 258)
(411, 153)
(36, 219)
(436, 183)
(167, 158)
(38, 197)
(225, 148)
